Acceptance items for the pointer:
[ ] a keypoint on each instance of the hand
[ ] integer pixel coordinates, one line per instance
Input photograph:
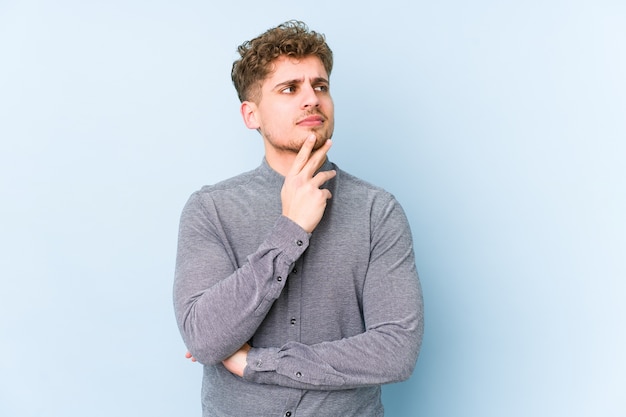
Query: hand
(236, 363)
(302, 199)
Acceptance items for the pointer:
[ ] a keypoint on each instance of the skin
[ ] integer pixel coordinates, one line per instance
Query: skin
(295, 116)
(294, 103)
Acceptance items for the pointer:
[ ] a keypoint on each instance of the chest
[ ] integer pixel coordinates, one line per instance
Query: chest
(322, 299)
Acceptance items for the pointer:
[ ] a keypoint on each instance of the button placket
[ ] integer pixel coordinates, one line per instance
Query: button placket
(292, 316)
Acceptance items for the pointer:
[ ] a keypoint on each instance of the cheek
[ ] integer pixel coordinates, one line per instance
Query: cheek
(276, 123)
(329, 107)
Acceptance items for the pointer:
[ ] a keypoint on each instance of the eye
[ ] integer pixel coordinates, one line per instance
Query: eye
(322, 88)
(288, 90)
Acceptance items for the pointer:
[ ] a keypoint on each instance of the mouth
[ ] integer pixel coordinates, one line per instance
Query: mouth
(313, 120)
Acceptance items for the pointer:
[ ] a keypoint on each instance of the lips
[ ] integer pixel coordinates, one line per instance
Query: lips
(313, 120)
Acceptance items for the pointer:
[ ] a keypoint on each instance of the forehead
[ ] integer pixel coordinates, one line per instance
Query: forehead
(286, 68)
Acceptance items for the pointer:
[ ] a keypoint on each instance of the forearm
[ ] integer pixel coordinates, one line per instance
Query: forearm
(219, 307)
(392, 311)
(378, 356)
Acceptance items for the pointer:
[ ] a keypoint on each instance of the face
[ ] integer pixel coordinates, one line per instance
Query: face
(294, 102)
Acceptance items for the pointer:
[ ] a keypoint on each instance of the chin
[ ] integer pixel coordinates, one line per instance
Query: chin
(319, 142)
(321, 138)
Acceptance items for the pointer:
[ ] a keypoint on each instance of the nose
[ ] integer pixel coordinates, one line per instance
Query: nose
(310, 98)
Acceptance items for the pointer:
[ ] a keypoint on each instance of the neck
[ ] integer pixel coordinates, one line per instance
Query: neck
(280, 161)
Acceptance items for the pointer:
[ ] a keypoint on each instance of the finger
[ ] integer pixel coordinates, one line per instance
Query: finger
(323, 176)
(188, 355)
(303, 155)
(317, 158)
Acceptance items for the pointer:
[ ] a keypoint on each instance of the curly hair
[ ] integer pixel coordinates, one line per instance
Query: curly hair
(292, 38)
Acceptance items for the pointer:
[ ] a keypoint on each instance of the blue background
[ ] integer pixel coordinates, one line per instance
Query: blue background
(499, 125)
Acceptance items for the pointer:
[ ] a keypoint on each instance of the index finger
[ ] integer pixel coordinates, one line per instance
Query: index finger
(303, 155)
(317, 158)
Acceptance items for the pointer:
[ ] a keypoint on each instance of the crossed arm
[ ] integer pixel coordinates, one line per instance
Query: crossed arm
(236, 363)
(386, 352)
(303, 202)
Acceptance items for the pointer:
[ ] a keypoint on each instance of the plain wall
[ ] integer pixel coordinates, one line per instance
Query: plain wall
(499, 125)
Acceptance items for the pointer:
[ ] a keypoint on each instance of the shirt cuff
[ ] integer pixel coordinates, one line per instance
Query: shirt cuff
(290, 237)
(261, 360)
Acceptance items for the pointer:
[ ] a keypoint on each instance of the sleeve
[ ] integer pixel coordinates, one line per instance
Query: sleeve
(219, 306)
(393, 314)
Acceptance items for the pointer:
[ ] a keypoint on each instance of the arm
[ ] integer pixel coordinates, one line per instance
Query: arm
(218, 305)
(393, 314)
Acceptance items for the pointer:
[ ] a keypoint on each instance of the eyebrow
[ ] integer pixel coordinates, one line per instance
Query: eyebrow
(297, 81)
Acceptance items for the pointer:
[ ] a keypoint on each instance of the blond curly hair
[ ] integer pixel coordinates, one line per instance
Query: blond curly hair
(292, 38)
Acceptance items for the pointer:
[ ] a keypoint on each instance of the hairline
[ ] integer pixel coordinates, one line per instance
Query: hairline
(256, 89)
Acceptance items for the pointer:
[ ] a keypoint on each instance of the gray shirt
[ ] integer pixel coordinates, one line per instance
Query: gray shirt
(330, 315)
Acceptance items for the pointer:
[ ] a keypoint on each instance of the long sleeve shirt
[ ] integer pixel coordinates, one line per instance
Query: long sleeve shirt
(330, 315)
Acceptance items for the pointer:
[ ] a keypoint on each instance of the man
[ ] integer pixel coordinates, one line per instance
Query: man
(295, 284)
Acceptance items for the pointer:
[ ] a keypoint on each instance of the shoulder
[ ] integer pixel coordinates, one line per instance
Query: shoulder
(359, 194)
(249, 181)
(232, 183)
(204, 198)
(356, 187)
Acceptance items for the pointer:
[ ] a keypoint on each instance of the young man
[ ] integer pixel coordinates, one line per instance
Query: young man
(295, 284)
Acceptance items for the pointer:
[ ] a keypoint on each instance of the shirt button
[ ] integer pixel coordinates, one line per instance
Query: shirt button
(293, 321)
(288, 414)
(298, 374)
(299, 242)
(279, 279)
(294, 271)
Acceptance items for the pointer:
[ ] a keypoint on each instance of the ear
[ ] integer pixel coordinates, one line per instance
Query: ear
(248, 112)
